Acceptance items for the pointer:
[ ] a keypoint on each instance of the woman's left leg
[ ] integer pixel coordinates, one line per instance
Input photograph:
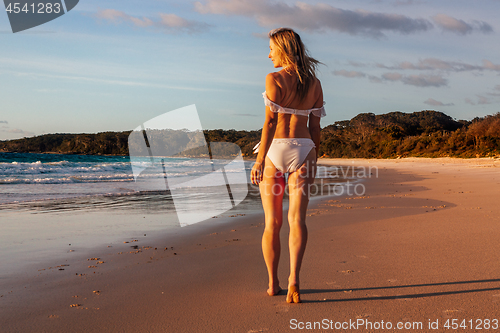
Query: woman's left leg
(299, 183)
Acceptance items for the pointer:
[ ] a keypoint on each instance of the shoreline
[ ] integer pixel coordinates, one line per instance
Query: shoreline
(60, 153)
(251, 158)
(420, 244)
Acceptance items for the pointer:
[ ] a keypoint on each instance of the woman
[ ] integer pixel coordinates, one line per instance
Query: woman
(289, 142)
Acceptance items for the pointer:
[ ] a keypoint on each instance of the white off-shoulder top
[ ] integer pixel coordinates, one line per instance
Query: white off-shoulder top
(318, 112)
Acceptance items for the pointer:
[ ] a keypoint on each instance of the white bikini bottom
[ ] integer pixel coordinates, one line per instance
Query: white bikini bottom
(288, 155)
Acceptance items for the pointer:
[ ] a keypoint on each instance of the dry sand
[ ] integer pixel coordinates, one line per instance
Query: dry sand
(422, 244)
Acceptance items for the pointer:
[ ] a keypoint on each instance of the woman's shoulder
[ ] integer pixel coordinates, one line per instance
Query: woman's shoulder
(319, 93)
(316, 83)
(274, 84)
(275, 78)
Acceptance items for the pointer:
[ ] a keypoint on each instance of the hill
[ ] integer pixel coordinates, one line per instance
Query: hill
(395, 134)
(424, 133)
(106, 143)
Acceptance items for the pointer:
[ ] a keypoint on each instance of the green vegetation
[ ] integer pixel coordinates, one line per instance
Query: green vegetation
(424, 134)
(106, 143)
(391, 135)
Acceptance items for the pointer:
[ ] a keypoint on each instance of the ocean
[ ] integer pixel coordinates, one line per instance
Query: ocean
(51, 182)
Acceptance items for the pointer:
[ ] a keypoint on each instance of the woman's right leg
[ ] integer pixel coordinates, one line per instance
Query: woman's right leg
(272, 189)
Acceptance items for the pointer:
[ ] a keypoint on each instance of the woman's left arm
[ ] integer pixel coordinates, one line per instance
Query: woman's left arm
(315, 131)
(314, 126)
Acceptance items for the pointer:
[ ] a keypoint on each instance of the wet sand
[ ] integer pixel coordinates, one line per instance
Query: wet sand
(421, 244)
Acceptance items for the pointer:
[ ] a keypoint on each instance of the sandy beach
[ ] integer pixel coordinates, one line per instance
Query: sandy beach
(420, 246)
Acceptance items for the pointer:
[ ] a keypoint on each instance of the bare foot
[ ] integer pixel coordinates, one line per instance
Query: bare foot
(273, 291)
(293, 295)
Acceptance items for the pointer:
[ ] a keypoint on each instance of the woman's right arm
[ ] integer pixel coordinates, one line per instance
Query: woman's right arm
(268, 130)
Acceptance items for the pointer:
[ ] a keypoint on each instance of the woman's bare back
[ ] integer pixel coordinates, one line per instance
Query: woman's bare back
(283, 87)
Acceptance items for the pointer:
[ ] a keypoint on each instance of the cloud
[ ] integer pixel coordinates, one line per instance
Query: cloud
(421, 80)
(167, 22)
(392, 76)
(434, 73)
(425, 80)
(433, 64)
(484, 27)
(437, 64)
(349, 74)
(496, 91)
(460, 27)
(316, 17)
(430, 64)
(480, 100)
(406, 2)
(16, 131)
(356, 64)
(5, 128)
(116, 82)
(433, 102)
(245, 115)
(375, 79)
(177, 22)
(491, 66)
(117, 16)
(452, 24)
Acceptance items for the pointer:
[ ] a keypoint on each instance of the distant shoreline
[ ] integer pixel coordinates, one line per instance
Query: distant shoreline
(58, 153)
(392, 135)
(320, 159)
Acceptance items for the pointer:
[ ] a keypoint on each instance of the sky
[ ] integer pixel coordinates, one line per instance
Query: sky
(111, 65)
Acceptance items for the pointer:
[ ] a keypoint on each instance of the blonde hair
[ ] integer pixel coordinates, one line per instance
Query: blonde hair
(295, 57)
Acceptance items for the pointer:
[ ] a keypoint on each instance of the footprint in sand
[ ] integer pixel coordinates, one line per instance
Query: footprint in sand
(363, 316)
(333, 284)
(282, 307)
(348, 271)
(451, 313)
